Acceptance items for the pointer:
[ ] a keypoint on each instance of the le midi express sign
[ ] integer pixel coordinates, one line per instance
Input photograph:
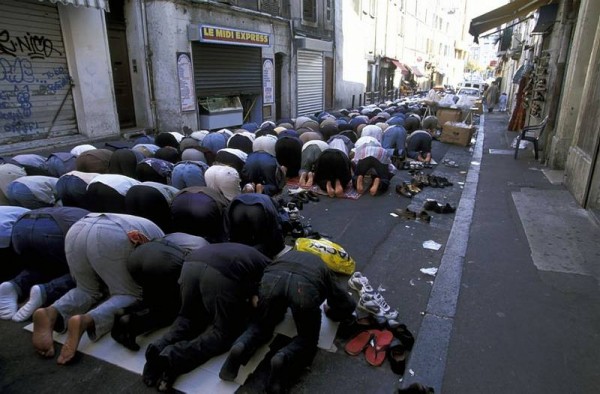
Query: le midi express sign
(226, 35)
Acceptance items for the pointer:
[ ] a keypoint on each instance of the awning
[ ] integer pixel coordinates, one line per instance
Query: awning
(99, 4)
(417, 71)
(401, 66)
(506, 13)
(546, 18)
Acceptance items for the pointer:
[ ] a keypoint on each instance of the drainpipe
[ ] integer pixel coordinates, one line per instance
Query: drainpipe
(148, 61)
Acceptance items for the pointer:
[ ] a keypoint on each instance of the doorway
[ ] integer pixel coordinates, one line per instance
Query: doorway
(328, 83)
(119, 57)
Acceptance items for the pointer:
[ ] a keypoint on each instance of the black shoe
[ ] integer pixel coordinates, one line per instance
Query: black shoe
(312, 196)
(416, 388)
(423, 216)
(430, 205)
(123, 332)
(447, 209)
(433, 181)
(407, 214)
(232, 365)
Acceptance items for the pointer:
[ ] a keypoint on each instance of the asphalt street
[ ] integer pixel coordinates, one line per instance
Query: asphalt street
(488, 322)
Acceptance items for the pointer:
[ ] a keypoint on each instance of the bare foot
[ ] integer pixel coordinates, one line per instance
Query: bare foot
(374, 187)
(360, 186)
(330, 190)
(43, 324)
(77, 325)
(339, 190)
(259, 188)
(310, 180)
(302, 181)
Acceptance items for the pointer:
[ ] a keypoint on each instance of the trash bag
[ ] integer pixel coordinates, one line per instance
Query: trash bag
(332, 254)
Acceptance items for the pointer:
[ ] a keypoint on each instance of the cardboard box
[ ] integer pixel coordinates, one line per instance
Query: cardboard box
(457, 133)
(448, 115)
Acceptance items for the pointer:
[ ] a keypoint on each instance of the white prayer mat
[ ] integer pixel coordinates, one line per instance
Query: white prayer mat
(205, 378)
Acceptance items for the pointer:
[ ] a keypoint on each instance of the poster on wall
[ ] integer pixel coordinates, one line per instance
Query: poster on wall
(268, 78)
(186, 81)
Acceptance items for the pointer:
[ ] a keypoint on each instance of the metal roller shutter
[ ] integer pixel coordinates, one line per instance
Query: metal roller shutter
(34, 76)
(226, 70)
(310, 82)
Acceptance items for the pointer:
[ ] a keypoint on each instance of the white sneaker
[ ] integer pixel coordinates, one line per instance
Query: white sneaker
(360, 283)
(376, 305)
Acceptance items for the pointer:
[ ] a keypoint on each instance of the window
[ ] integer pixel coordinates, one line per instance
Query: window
(309, 10)
(328, 11)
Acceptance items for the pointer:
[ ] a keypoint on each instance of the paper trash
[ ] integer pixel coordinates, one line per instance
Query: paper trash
(432, 245)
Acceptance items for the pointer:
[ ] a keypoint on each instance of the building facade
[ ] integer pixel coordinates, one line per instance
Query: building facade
(555, 45)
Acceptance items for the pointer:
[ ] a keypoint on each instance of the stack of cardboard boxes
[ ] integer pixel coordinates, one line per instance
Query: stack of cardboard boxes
(454, 131)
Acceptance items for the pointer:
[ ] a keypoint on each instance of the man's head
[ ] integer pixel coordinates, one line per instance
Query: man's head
(430, 123)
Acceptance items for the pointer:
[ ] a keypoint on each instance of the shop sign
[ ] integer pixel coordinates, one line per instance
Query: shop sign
(226, 35)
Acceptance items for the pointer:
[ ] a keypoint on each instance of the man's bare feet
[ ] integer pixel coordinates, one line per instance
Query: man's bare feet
(76, 326)
(311, 178)
(339, 189)
(360, 185)
(43, 325)
(302, 181)
(259, 188)
(374, 187)
(330, 190)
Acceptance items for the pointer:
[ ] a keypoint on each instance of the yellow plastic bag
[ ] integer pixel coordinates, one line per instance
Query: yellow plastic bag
(332, 254)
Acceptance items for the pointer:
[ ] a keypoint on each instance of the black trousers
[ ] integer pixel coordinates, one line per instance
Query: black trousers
(102, 198)
(278, 291)
(156, 267)
(148, 202)
(331, 165)
(198, 214)
(213, 313)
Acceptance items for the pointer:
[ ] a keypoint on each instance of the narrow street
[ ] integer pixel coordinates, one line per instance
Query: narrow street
(489, 321)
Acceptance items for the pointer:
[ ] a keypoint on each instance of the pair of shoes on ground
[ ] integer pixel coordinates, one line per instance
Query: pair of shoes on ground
(408, 214)
(407, 189)
(371, 301)
(438, 181)
(304, 195)
(433, 205)
(374, 343)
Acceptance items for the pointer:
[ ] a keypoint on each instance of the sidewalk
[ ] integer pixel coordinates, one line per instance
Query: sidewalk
(515, 309)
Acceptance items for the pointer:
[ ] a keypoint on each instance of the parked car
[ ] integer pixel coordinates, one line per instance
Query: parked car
(467, 96)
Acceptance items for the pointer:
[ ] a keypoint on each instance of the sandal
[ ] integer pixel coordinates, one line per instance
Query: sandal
(356, 345)
(378, 345)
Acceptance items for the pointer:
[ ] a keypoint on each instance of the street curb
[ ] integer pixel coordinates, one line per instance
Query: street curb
(427, 362)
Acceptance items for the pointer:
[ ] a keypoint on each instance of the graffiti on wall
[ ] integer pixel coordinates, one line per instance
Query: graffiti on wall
(20, 82)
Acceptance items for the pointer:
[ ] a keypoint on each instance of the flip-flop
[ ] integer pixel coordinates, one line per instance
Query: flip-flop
(377, 350)
(357, 344)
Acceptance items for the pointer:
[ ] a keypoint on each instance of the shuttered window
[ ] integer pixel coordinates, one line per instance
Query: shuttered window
(310, 82)
(34, 76)
(226, 70)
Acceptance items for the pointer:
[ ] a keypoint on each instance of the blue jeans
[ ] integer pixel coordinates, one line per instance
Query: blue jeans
(278, 291)
(71, 190)
(40, 242)
(60, 163)
(20, 195)
(188, 173)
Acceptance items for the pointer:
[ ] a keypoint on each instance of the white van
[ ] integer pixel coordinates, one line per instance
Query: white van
(472, 84)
